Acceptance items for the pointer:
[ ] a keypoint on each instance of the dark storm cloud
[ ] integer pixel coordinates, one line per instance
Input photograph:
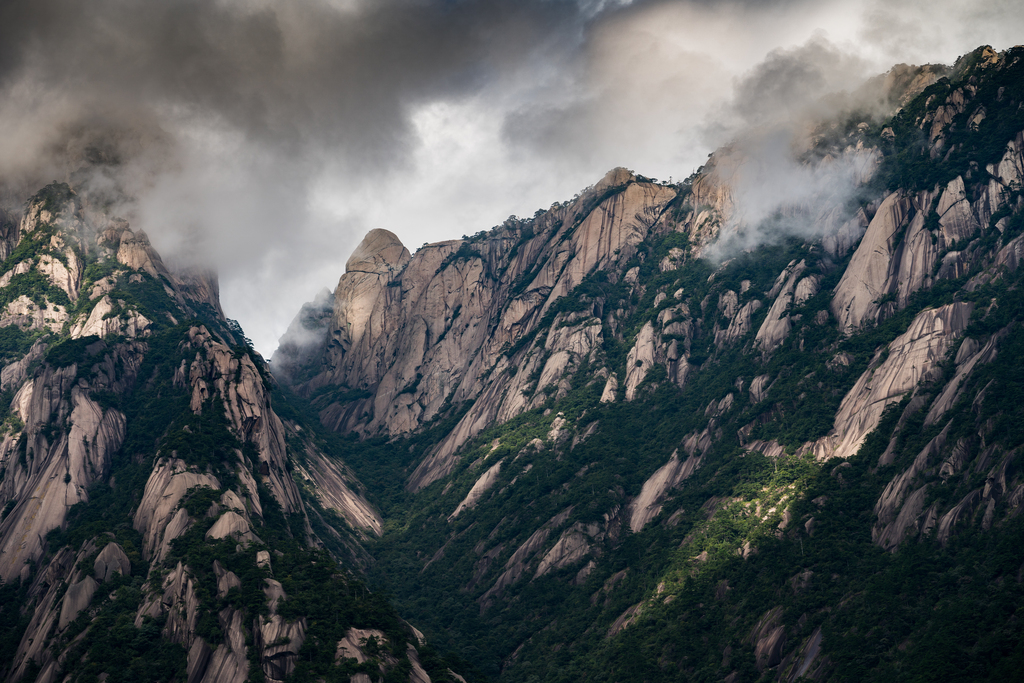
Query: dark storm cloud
(266, 137)
(211, 124)
(299, 77)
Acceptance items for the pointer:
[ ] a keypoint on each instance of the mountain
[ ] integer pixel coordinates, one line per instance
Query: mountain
(160, 520)
(761, 424)
(652, 434)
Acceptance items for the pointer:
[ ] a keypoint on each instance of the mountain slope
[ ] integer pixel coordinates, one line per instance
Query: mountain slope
(617, 460)
(159, 518)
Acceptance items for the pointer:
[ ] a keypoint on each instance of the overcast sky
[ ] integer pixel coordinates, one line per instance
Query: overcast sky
(265, 138)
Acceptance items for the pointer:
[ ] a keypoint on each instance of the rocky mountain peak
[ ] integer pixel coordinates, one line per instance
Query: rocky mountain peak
(614, 178)
(380, 252)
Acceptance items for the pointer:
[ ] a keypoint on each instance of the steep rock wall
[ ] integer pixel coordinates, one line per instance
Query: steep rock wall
(411, 336)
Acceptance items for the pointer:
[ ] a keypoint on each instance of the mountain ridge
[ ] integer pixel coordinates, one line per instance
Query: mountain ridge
(150, 488)
(837, 355)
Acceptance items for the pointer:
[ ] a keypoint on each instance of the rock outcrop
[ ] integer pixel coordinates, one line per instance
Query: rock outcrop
(411, 335)
(647, 505)
(912, 357)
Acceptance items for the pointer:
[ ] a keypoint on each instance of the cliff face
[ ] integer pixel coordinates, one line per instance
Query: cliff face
(412, 336)
(589, 418)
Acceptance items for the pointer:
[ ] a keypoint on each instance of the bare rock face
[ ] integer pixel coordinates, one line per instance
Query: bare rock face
(647, 505)
(105, 321)
(640, 360)
(776, 326)
(739, 326)
(517, 565)
(912, 356)
(759, 387)
(967, 359)
(234, 525)
(611, 386)
(961, 510)
(229, 662)
(59, 474)
(906, 522)
(226, 580)
(135, 251)
(180, 603)
(76, 599)
(572, 546)
(335, 488)
(167, 484)
(46, 615)
(482, 485)
(418, 673)
(769, 639)
(26, 314)
(111, 560)
(840, 241)
(199, 286)
(352, 645)
(277, 640)
(868, 275)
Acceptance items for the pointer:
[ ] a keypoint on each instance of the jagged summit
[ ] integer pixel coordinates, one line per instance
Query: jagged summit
(407, 343)
(614, 178)
(146, 476)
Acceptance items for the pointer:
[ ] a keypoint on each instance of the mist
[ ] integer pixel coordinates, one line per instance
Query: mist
(264, 139)
(779, 185)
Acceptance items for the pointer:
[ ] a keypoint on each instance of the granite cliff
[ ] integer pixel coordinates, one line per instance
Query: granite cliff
(562, 388)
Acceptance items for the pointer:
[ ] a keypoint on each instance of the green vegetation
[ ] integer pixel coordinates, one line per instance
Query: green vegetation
(73, 351)
(36, 287)
(15, 342)
(54, 197)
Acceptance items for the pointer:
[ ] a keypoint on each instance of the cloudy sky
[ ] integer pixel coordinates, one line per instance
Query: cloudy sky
(265, 138)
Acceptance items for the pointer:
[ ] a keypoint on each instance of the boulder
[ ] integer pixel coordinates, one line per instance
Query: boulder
(111, 560)
(232, 524)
